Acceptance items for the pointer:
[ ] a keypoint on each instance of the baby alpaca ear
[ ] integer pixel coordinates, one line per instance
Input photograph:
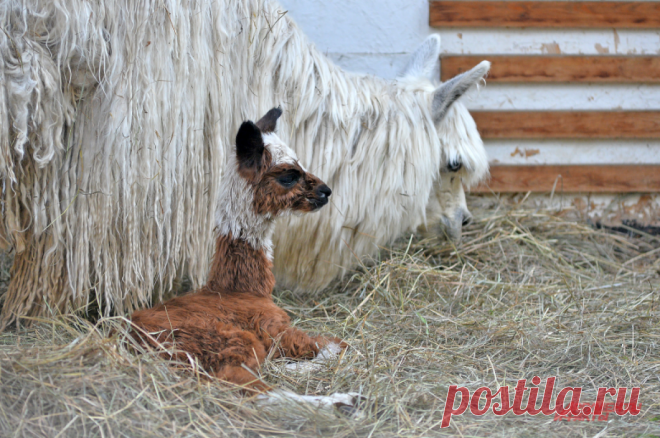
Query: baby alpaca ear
(249, 147)
(268, 123)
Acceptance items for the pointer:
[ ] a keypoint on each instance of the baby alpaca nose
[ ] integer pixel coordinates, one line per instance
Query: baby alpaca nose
(323, 191)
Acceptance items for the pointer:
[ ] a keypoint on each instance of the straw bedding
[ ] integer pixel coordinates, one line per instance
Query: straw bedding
(527, 293)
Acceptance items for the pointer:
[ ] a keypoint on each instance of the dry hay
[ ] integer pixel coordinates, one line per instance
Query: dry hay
(527, 293)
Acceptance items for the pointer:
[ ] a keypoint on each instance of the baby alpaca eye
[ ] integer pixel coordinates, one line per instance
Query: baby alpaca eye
(288, 180)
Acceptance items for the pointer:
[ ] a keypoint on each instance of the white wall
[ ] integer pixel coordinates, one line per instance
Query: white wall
(367, 36)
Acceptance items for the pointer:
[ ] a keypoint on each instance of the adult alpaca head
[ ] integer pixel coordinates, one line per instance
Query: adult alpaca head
(396, 154)
(464, 157)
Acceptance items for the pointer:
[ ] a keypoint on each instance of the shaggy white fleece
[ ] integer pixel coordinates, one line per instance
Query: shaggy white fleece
(115, 122)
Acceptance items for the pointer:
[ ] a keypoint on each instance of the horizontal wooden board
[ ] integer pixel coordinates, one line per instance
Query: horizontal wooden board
(564, 97)
(572, 152)
(568, 124)
(549, 41)
(539, 69)
(572, 179)
(565, 14)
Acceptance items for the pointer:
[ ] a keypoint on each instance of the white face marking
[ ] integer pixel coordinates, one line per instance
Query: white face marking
(281, 153)
(235, 213)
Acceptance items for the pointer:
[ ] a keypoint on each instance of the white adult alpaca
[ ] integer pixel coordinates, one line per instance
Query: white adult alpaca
(116, 119)
(397, 154)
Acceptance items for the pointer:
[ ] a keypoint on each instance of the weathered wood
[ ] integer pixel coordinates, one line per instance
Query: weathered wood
(565, 14)
(568, 124)
(573, 179)
(537, 69)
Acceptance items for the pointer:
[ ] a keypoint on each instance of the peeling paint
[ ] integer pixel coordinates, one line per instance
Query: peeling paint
(573, 152)
(600, 49)
(526, 153)
(617, 41)
(551, 48)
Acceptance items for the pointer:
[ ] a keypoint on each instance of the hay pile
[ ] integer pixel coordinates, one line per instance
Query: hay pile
(527, 293)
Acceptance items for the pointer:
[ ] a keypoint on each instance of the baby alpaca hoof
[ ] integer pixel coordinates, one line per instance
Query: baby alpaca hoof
(353, 406)
(350, 404)
(329, 352)
(335, 343)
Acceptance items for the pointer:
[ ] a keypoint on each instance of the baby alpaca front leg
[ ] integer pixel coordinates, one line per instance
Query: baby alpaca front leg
(236, 356)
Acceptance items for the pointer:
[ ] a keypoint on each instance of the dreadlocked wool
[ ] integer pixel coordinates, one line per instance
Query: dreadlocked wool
(116, 119)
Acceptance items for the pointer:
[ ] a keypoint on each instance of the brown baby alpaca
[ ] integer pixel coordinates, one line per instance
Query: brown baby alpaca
(231, 324)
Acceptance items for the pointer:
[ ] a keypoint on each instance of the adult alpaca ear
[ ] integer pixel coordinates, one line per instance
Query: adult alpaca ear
(249, 148)
(425, 59)
(449, 92)
(268, 123)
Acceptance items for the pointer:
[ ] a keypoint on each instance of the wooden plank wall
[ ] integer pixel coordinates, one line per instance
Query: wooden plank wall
(628, 127)
(568, 124)
(552, 68)
(573, 179)
(557, 14)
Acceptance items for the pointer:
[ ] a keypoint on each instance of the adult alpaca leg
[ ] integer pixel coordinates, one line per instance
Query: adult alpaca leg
(37, 283)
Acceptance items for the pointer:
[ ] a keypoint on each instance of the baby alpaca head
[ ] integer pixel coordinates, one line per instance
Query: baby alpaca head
(263, 181)
(279, 183)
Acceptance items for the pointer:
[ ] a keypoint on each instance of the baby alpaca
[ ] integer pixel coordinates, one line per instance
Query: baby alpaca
(232, 323)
